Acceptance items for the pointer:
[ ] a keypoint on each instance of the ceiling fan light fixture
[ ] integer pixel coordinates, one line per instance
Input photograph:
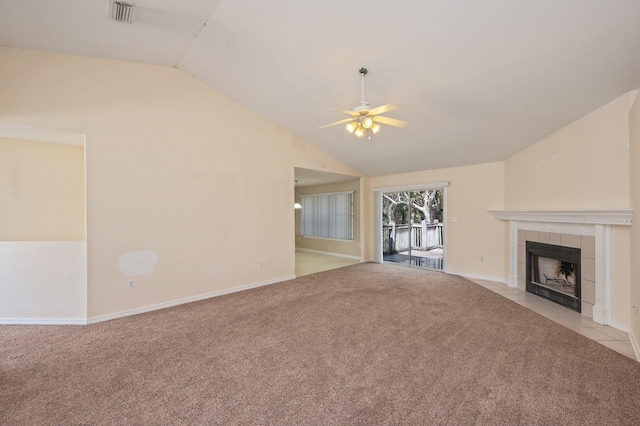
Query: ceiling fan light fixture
(367, 120)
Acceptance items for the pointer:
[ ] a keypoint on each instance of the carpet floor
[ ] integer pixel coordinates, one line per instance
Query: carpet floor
(365, 344)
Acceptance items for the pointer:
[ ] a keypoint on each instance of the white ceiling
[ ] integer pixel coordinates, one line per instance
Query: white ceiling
(478, 80)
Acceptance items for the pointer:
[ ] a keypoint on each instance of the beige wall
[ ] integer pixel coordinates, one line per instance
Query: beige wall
(634, 161)
(585, 165)
(582, 166)
(176, 179)
(41, 191)
(471, 192)
(350, 248)
(174, 174)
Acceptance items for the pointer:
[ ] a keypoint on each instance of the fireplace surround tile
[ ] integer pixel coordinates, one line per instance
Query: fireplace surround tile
(544, 237)
(588, 269)
(522, 254)
(570, 240)
(555, 238)
(588, 290)
(532, 236)
(522, 271)
(588, 247)
(521, 238)
(587, 309)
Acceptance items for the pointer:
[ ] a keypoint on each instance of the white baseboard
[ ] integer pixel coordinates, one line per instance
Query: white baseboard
(348, 256)
(43, 321)
(478, 277)
(619, 326)
(634, 345)
(176, 302)
(93, 320)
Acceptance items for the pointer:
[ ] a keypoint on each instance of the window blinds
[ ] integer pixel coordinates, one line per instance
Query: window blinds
(327, 215)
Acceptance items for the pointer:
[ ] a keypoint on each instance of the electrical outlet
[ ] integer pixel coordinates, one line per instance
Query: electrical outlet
(261, 263)
(481, 258)
(218, 269)
(132, 284)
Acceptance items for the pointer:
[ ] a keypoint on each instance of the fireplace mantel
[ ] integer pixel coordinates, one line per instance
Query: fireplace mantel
(597, 223)
(593, 217)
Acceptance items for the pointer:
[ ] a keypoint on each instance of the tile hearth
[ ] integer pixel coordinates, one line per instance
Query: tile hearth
(608, 336)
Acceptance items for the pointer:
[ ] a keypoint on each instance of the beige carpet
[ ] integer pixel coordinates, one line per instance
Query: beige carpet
(365, 344)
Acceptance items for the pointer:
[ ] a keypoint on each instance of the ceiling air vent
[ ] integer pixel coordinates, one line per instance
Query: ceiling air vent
(122, 12)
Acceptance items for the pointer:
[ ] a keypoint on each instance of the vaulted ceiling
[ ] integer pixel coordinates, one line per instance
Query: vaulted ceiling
(478, 80)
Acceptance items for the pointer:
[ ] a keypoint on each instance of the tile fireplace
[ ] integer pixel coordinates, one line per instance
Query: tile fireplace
(590, 231)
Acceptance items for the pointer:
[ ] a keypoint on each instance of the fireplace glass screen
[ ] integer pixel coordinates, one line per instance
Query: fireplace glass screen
(553, 272)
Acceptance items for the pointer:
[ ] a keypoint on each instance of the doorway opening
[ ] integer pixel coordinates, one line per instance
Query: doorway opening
(413, 228)
(327, 220)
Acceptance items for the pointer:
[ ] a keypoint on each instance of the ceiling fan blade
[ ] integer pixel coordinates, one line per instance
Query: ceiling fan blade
(390, 121)
(346, 120)
(384, 108)
(351, 113)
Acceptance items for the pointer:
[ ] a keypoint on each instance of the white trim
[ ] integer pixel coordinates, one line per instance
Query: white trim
(361, 222)
(602, 217)
(635, 346)
(418, 187)
(445, 230)
(602, 308)
(311, 237)
(512, 277)
(558, 228)
(619, 326)
(43, 321)
(377, 225)
(176, 302)
(328, 253)
(313, 194)
(477, 277)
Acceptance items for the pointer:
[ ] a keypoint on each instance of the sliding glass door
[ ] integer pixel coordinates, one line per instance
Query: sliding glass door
(412, 228)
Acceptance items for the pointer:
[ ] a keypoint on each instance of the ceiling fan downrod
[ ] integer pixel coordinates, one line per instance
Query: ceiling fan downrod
(363, 72)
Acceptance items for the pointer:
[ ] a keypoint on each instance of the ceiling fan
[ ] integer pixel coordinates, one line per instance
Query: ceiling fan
(366, 120)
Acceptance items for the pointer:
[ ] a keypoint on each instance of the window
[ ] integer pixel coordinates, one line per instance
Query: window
(327, 216)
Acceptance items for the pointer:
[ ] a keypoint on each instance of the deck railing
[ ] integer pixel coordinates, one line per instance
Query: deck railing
(424, 236)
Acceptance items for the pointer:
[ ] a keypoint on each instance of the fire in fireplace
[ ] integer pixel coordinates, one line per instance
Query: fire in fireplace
(553, 272)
